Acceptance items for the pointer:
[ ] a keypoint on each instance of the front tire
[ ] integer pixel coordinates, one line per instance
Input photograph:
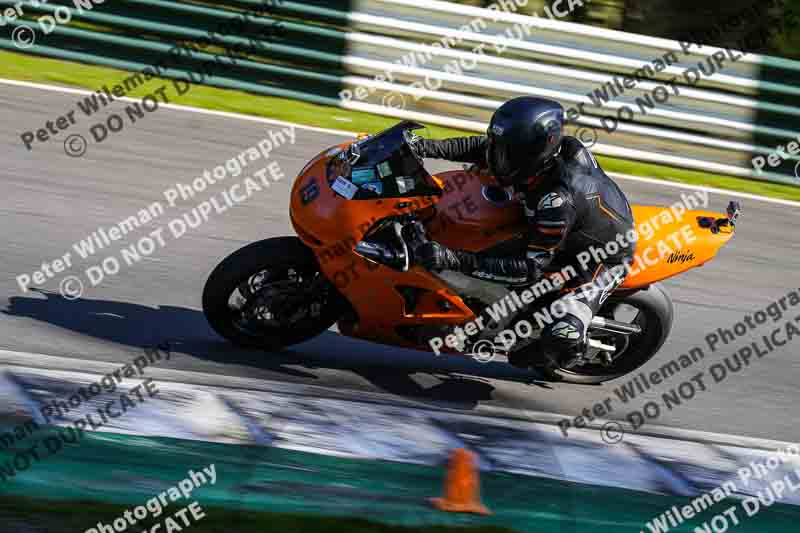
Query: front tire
(270, 294)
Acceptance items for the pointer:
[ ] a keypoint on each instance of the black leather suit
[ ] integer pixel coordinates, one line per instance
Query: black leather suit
(573, 208)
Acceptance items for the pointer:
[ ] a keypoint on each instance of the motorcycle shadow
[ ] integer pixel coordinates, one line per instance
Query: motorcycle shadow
(457, 380)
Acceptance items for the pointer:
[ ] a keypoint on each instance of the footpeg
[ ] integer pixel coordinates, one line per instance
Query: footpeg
(598, 345)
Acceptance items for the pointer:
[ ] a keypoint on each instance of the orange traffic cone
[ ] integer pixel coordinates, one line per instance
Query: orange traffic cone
(462, 486)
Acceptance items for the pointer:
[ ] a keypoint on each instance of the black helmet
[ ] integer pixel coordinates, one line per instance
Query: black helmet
(524, 137)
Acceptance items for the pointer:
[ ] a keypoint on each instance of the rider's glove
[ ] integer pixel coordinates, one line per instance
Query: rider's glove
(435, 257)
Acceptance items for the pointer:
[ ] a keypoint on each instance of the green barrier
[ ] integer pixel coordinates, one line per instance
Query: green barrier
(128, 470)
(302, 56)
(219, 46)
(213, 80)
(183, 21)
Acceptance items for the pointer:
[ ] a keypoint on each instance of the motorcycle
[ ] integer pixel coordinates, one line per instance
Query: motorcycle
(360, 209)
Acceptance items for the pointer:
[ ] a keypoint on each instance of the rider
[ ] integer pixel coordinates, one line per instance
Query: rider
(571, 206)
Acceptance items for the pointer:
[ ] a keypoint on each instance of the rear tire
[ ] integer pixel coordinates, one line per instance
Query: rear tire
(656, 313)
(273, 262)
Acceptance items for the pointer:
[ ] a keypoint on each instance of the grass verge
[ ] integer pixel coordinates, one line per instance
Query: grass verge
(26, 67)
(27, 515)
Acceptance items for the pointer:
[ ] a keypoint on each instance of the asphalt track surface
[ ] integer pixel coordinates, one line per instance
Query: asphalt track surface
(49, 201)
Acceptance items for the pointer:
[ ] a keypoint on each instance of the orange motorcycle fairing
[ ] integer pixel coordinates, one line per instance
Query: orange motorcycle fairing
(467, 215)
(473, 216)
(386, 301)
(668, 246)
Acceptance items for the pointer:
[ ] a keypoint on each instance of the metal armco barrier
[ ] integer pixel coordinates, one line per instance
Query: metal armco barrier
(452, 65)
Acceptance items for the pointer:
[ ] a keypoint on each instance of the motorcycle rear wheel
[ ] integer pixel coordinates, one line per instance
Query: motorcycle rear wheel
(270, 294)
(654, 314)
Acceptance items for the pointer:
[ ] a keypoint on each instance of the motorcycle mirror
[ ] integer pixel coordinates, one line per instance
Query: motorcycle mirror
(734, 210)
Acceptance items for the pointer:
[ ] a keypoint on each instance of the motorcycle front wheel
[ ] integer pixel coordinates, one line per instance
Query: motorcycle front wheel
(271, 294)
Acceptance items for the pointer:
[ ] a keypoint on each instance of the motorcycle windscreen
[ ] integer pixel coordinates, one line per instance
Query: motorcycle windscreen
(383, 166)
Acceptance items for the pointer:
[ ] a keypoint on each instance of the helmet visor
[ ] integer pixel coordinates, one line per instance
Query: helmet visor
(500, 157)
